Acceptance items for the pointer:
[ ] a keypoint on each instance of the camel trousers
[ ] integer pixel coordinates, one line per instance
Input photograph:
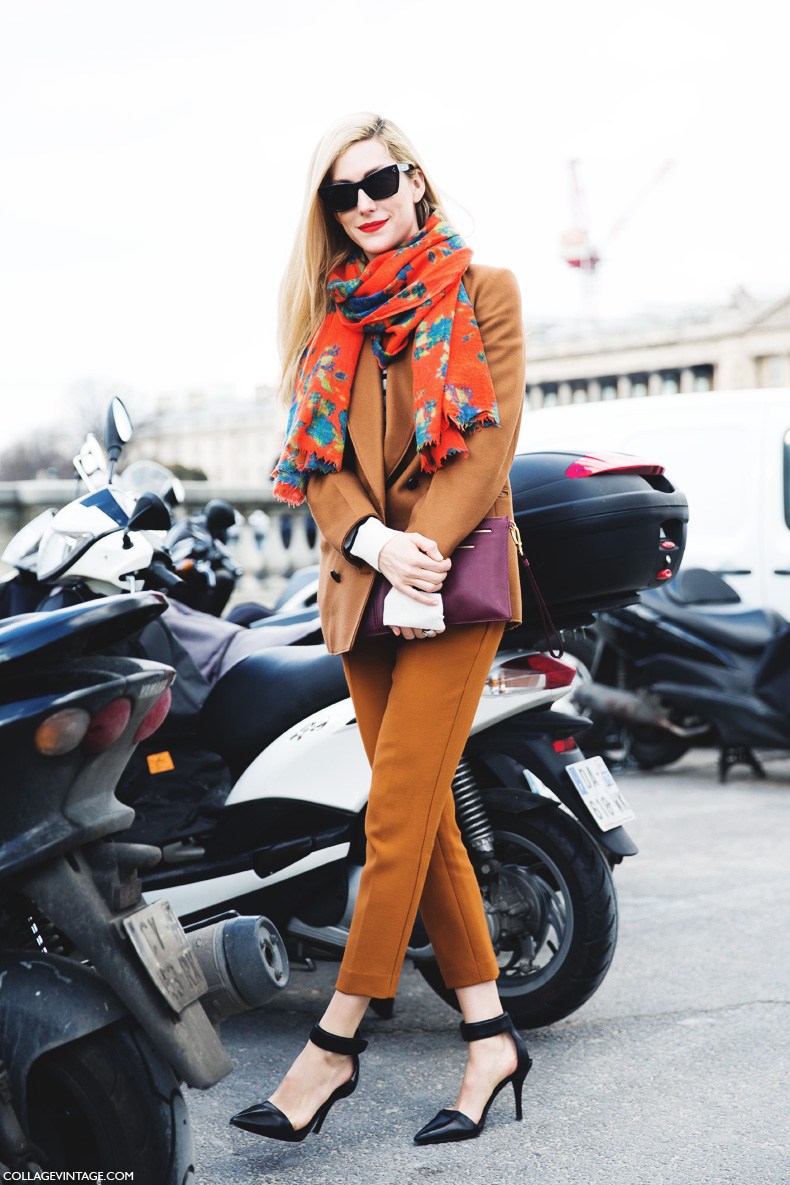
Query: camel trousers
(415, 703)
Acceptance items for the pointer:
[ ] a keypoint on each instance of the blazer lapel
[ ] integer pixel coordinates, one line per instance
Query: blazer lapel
(400, 411)
(366, 422)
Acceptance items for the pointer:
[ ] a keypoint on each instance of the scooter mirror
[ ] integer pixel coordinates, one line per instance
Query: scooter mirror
(117, 432)
(150, 514)
(119, 424)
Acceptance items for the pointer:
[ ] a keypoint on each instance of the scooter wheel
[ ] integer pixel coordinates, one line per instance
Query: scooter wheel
(552, 916)
(109, 1102)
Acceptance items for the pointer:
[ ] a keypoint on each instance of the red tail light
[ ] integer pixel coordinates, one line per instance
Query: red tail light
(664, 574)
(63, 731)
(106, 726)
(558, 674)
(154, 717)
(528, 672)
(563, 746)
(612, 463)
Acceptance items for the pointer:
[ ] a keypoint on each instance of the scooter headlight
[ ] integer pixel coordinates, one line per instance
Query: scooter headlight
(57, 550)
(24, 545)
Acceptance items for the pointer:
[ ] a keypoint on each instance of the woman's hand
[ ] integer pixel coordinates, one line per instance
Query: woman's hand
(409, 634)
(411, 562)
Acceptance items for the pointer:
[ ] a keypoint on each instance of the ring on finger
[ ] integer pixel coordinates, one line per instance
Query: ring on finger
(429, 633)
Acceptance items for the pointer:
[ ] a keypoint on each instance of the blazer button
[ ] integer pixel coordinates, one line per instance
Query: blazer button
(412, 483)
(335, 576)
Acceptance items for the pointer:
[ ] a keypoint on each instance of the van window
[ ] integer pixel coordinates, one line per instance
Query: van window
(786, 476)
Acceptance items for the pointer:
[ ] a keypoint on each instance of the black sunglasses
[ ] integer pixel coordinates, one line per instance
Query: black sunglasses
(379, 185)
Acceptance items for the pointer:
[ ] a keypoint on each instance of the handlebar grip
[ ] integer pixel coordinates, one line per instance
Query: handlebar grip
(160, 577)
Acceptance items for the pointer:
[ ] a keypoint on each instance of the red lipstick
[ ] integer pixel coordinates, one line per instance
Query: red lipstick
(369, 227)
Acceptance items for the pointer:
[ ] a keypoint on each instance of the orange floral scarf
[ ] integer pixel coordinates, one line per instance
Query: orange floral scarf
(417, 287)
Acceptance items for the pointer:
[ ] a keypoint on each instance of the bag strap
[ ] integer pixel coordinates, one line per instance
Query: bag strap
(543, 610)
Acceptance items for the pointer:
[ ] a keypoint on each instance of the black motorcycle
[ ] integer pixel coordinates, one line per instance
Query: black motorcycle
(688, 665)
(106, 1004)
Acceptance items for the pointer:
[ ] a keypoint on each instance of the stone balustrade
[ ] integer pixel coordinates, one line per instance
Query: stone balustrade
(287, 542)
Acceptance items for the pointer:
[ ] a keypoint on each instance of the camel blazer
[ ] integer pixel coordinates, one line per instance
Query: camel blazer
(381, 473)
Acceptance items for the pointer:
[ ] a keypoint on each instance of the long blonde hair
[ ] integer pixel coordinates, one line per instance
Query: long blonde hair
(321, 243)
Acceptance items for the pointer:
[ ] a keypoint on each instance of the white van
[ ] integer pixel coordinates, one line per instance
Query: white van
(728, 451)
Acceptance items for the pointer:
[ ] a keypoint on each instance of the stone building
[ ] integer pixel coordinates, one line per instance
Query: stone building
(744, 345)
(231, 441)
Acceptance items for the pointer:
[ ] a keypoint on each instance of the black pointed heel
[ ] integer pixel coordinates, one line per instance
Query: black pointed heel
(264, 1119)
(450, 1125)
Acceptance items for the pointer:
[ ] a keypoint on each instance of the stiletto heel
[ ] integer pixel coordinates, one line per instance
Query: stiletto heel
(518, 1084)
(450, 1125)
(264, 1119)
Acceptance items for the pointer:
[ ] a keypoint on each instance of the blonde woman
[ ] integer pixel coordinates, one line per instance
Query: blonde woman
(403, 366)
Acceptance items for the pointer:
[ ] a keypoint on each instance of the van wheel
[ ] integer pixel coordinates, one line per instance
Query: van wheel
(109, 1102)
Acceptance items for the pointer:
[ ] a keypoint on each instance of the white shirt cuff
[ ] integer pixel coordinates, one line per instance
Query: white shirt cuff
(371, 537)
(401, 609)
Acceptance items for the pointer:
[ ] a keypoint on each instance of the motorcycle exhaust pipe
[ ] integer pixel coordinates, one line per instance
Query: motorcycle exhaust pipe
(629, 706)
(244, 962)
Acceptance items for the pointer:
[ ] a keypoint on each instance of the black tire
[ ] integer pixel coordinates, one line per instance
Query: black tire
(647, 747)
(651, 747)
(554, 867)
(109, 1102)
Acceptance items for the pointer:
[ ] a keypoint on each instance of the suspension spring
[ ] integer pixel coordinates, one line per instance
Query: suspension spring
(470, 813)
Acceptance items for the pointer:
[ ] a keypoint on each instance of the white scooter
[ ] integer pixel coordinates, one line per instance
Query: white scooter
(543, 825)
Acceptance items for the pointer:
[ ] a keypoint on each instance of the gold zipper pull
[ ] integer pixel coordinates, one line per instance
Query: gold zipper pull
(516, 534)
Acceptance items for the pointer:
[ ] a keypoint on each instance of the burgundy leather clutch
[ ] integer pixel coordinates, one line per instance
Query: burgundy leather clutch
(476, 589)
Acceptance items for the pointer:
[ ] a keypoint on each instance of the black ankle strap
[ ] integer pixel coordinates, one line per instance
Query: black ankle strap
(334, 1044)
(480, 1029)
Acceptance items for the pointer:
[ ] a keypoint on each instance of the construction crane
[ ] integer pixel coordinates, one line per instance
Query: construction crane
(576, 244)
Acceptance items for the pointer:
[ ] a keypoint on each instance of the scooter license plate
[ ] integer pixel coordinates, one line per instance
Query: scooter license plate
(602, 796)
(164, 950)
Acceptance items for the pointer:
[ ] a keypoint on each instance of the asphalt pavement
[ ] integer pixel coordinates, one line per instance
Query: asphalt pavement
(676, 1071)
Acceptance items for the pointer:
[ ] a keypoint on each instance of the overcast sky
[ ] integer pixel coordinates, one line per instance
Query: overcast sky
(154, 154)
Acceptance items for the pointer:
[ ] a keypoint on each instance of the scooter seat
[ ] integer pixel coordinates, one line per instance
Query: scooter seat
(698, 586)
(265, 694)
(747, 631)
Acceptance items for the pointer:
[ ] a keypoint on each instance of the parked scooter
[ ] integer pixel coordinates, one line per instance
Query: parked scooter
(291, 831)
(197, 546)
(117, 537)
(290, 836)
(596, 530)
(688, 665)
(106, 1005)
